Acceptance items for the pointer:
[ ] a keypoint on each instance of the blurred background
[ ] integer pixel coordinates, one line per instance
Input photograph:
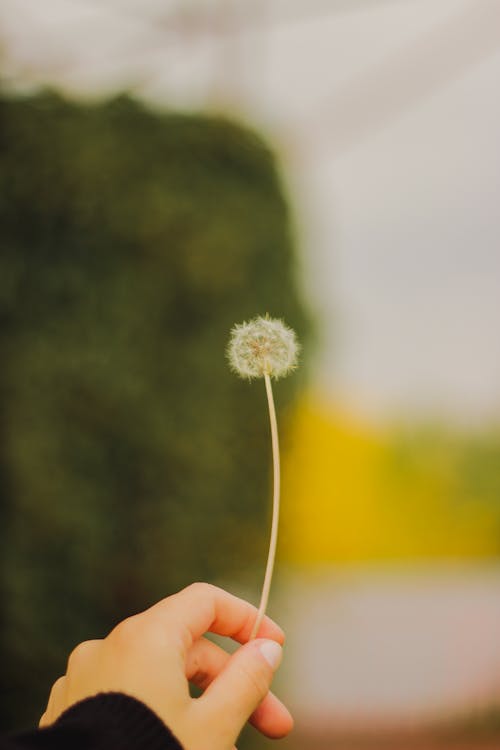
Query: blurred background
(168, 169)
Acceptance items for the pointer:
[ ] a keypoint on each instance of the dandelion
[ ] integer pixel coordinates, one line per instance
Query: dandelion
(265, 347)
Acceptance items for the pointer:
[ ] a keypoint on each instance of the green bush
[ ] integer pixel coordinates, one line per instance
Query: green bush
(131, 460)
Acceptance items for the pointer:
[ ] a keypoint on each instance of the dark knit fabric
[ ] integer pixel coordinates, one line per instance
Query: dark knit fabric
(108, 721)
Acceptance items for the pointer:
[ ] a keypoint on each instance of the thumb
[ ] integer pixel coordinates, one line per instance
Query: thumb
(243, 683)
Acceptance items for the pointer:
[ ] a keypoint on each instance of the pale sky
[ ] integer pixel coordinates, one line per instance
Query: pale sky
(387, 117)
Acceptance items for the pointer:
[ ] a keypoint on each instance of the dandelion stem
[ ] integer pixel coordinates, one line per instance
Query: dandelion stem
(276, 508)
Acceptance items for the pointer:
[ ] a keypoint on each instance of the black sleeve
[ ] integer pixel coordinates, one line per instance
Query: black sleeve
(108, 721)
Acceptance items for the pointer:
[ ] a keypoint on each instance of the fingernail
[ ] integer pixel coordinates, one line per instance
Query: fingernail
(272, 653)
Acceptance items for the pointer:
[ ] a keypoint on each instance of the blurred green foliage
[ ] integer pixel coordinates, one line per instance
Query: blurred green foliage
(131, 460)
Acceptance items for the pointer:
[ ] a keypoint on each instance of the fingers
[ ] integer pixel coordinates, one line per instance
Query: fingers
(56, 701)
(234, 696)
(202, 607)
(272, 718)
(205, 661)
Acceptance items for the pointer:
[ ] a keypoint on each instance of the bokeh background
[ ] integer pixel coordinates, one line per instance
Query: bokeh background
(169, 169)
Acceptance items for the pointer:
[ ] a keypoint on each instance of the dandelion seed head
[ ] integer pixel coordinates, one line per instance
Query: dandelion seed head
(263, 346)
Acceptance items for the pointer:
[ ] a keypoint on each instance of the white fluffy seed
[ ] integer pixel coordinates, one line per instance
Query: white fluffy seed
(263, 346)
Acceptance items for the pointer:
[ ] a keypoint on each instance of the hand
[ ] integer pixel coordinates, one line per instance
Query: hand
(153, 656)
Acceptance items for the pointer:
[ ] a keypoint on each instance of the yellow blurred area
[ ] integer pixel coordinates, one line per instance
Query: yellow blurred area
(355, 493)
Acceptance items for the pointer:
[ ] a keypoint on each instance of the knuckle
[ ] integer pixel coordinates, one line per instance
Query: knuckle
(58, 684)
(200, 588)
(55, 691)
(77, 656)
(126, 632)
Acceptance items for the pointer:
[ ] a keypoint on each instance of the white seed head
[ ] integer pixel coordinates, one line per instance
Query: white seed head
(263, 346)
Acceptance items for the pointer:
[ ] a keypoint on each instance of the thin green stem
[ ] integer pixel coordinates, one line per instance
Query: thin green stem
(276, 509)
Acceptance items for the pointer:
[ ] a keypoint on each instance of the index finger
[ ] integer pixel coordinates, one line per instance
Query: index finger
(202, 608)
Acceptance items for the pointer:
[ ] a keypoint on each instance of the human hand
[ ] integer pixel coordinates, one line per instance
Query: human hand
(153, 656)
